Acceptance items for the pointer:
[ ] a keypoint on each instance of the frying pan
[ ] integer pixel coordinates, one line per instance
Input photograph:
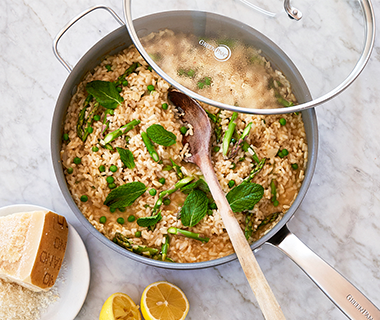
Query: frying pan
(349, 299)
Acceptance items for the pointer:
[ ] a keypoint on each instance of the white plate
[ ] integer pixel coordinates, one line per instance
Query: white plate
(74, 277)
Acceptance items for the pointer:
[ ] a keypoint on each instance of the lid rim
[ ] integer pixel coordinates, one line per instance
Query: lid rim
(370, 30)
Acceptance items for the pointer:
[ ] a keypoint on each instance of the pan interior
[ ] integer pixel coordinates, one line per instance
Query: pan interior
(119, 40)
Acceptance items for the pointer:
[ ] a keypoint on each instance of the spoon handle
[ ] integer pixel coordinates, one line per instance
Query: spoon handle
(260, 287)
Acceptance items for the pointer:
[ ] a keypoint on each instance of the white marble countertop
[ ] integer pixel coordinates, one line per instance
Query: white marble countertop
(339, 217)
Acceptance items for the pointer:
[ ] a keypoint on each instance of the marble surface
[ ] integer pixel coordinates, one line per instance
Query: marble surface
(339, 217)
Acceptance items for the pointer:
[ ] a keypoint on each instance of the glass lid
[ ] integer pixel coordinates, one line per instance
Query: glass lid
(244, 55)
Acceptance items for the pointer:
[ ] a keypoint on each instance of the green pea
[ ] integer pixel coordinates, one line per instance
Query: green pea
(162, 180)
(70, 170)
(110, 179)
(284, 152)
(216, 149)
(122, 209)
(282, 121)
(90, 129)
(108, 67)
(276, 203)
(125, 83)
(152, 192)
(112, 186)
(102, 219)
(96, 117)
(183, 130)
(120, 220)
(102, 168)
(167, 201)
(84, 198)
(113, 168)
(294, 166)
(77, 160)
(95, 149)
(112, 210)
(165, 106)
(150, 88)
(111, 112)
(119, 89)
(131, 218)
(231, 183)
(65, 136)
(138, 234)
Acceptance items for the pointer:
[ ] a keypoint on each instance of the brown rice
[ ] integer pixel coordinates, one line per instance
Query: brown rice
(267, 137)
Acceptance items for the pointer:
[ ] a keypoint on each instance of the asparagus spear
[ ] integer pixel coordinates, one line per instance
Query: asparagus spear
(268, 219)
(127, 72)
(126, 243)
(238, 144)
(82, 117)
(106, 121)
(165, 247)
(228, 135)
(144, 250)
(180, 184)
(177, 169)
(255, 170)
(150, 147)
(118, 132)
(188, 234)
(215, 118)
(248, 225)
(90, 119)
(274, 193)
(249, 148)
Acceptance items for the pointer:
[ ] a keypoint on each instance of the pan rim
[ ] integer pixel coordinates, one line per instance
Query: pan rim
(80, 69)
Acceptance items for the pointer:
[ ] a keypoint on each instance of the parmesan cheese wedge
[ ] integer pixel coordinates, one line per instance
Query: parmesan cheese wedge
(32, 248)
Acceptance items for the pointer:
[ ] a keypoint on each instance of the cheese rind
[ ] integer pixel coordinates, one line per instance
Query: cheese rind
(32, 246)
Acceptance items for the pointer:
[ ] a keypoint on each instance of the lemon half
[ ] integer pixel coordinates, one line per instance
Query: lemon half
(119, 306)
(164, 301)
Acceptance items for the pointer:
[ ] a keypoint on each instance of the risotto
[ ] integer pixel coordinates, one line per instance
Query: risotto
(122, 154)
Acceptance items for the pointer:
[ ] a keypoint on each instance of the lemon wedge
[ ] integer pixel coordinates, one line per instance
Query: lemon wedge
(119, 306)
(164, 301)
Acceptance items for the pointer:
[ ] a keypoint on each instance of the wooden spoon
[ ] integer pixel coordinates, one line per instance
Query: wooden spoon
(199, 144)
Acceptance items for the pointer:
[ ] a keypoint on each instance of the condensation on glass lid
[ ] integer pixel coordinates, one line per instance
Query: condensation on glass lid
(221, 69)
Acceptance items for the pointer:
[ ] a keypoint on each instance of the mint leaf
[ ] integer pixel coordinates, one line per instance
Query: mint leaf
(105, 93)
(159, 135)
(199, 184)
(149, 221)
(126, 156)
(194, 208)
(244, 196)
(125, 195)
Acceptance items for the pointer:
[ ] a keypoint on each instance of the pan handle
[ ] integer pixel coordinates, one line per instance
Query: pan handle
(71, 23)
(346, 297)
